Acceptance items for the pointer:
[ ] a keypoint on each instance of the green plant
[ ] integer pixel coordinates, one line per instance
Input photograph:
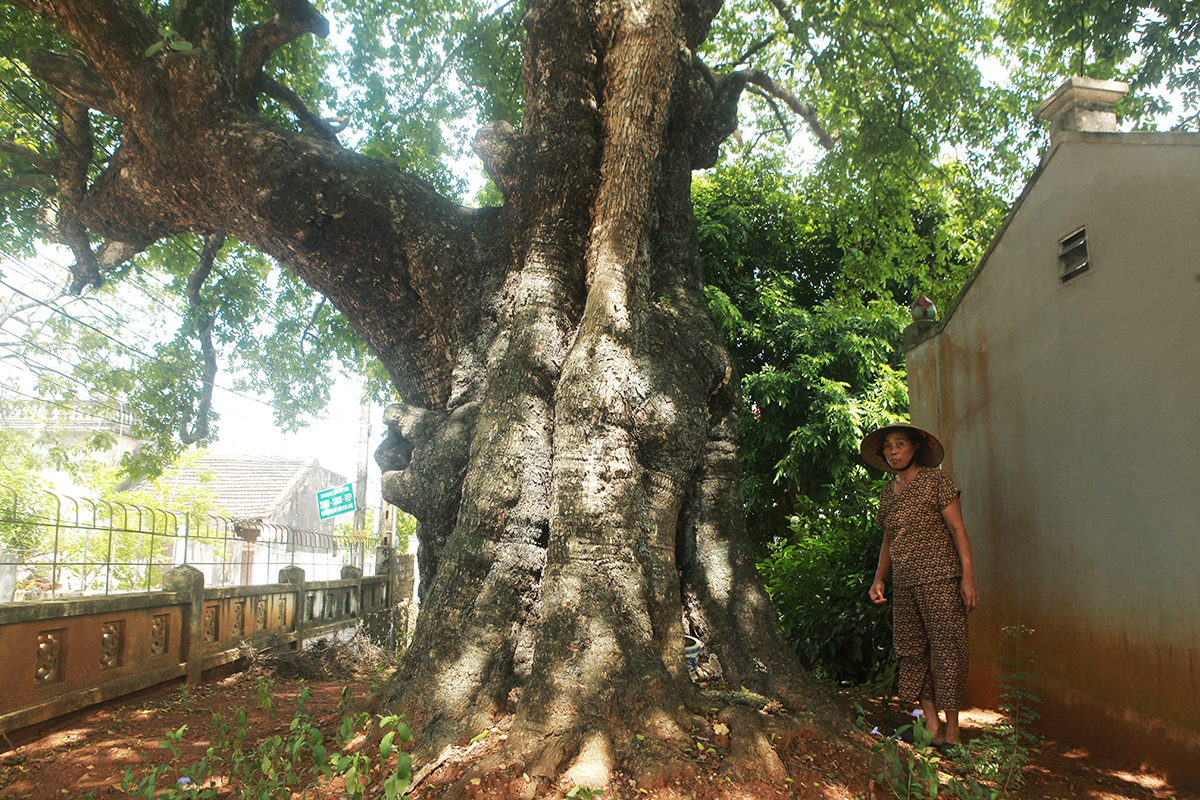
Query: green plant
(347, 702)
(183, 700)
(277, 767)
(910, 774)
(170, 40)
(382, 673)
(818, 582)
(189, 783)
(999, 754)
(264, 694)
(585, 793)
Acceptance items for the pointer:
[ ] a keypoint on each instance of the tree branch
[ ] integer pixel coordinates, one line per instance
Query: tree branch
(115, 77)
(25, 181)
(788, 17)
(45, 165)
(73, 75)
(311, 121)
(204, 324)
(294, 18)
(754, 48)
(75, 149)
(496, 144)
(804, 110)
(776, 110)
(311, 320)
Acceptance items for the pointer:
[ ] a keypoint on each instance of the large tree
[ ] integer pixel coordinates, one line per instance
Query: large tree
(568, 440)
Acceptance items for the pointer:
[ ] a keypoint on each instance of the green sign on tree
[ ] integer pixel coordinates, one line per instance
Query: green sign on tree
(336, 500)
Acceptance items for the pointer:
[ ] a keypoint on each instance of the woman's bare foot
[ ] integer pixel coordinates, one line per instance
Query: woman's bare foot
(933, 723)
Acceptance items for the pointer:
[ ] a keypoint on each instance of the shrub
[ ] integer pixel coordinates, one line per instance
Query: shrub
(818, 581)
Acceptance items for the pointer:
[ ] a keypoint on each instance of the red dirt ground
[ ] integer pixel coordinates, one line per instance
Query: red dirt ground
(90, 751)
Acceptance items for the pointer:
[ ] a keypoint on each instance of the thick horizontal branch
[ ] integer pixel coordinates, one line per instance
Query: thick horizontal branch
(44, 165)
(74, 75)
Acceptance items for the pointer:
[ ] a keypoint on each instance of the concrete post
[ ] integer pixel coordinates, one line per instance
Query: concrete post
(295, 576)
(350, 573)
(8, 576)
(188, 581)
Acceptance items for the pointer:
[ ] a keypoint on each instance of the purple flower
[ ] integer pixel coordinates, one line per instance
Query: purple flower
(875, 731)
(184, 781)
(918, 713)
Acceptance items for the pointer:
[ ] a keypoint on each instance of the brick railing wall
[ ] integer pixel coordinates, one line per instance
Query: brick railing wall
(64, 655)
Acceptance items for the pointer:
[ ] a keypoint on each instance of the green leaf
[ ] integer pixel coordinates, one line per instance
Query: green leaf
(385, 745)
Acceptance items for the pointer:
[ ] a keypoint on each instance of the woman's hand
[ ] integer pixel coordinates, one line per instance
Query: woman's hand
(970, 594)
(877, 593)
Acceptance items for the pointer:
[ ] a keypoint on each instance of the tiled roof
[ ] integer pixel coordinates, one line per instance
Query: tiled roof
(247, 486)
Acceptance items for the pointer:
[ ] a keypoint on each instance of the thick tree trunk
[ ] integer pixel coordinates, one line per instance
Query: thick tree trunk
(569, 444)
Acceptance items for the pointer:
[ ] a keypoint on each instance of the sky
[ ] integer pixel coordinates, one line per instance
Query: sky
(246, 426)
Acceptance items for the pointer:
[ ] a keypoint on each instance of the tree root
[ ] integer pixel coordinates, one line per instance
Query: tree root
(752, 754)
(655, 761)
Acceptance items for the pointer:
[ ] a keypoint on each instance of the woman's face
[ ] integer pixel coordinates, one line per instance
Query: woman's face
(898, 450)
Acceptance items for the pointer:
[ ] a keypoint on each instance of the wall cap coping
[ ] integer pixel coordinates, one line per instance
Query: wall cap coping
(1076, 90)
(331, 585)
(32, 610)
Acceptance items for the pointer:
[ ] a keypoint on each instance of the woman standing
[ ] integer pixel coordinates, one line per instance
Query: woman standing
(933, 584)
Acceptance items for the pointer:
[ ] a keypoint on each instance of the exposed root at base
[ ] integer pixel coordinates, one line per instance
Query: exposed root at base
(761, 757)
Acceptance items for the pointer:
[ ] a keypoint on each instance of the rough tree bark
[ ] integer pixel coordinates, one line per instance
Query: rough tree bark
(569, 440)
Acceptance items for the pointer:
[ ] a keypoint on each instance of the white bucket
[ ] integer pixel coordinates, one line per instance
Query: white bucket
(691, 653)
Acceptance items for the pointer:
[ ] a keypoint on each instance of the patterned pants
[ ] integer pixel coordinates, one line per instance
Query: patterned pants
(930, 634)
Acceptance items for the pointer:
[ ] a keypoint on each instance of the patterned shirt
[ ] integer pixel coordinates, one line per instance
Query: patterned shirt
(922, 548)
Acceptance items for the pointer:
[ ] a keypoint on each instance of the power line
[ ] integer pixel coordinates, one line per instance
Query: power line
(137, 281)
(117, 341)
(66, 406)
(33, 344)
(78, 321)
(91, 302)
(30, 365)
(49, 126)
(132, 349)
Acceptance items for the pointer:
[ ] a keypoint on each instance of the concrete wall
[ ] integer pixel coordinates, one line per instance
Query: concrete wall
(1071, 415)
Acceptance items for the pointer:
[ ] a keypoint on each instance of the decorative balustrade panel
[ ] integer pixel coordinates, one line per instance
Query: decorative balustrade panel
(62, 655)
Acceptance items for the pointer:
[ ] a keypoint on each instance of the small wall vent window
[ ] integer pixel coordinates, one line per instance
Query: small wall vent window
(1073, 255)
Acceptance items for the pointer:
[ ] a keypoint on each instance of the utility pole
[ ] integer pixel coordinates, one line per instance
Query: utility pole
(358, 548)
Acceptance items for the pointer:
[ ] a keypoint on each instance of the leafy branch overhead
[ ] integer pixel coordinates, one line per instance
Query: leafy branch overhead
(895, 95)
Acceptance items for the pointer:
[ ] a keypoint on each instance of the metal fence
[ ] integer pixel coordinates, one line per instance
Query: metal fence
(55, 546)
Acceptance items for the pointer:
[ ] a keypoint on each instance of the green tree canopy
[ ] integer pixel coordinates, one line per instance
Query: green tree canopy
(816, 347)
(892, 99)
